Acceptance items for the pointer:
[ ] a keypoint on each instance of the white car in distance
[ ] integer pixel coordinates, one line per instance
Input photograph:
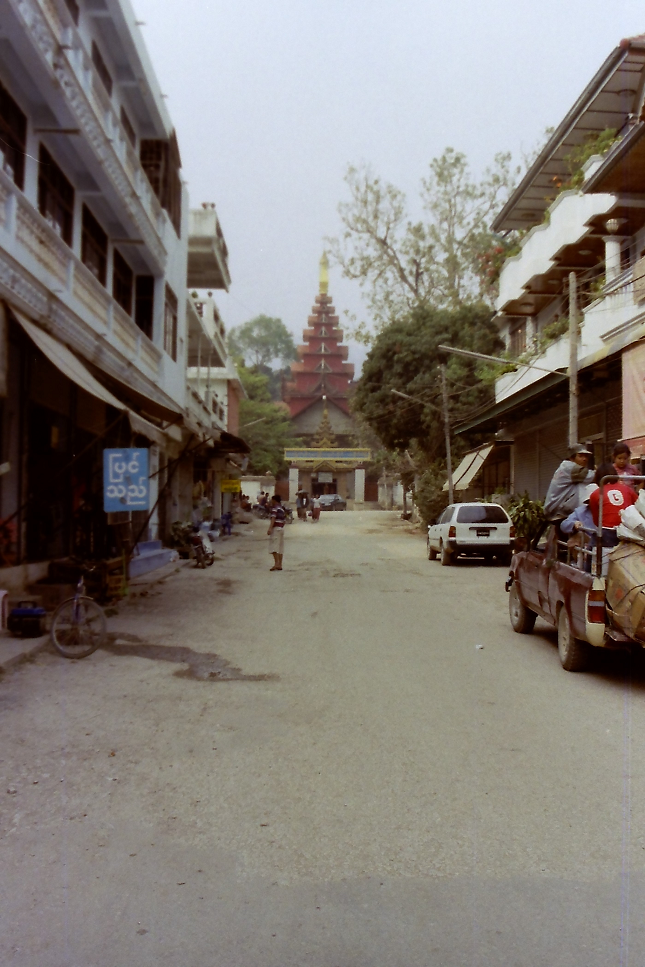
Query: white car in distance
(474, 530)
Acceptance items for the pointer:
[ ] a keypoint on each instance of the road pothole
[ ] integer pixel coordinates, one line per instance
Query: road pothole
(201, 666)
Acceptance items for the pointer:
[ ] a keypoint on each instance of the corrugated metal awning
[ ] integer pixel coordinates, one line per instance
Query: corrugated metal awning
(469, 467)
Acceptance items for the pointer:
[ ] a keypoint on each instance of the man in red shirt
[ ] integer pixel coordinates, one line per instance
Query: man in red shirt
(615, 497)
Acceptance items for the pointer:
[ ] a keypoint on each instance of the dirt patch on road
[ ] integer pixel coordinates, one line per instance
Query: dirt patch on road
(202, 666)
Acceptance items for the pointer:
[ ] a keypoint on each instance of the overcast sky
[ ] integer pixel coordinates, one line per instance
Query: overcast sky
(272, 99)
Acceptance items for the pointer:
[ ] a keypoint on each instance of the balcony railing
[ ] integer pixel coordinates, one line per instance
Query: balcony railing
(567, 225)
(96, 117)
(35, 244)
(206, 333)
(611, 319)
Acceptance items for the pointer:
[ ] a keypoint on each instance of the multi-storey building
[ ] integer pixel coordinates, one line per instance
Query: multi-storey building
(595, 229)
(96, 250)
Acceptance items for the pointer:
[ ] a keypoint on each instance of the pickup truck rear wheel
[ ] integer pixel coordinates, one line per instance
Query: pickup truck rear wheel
(574, 653)
(446, 556)
(522, 618)
(432, 554)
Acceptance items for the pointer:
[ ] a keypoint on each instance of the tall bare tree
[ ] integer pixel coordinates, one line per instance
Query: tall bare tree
(439, 261)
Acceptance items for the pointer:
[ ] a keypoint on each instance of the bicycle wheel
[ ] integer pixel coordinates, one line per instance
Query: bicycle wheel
(78, 627)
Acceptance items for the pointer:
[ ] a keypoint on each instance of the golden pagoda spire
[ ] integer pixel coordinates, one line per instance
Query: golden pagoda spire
(325, 437)
(324, 274)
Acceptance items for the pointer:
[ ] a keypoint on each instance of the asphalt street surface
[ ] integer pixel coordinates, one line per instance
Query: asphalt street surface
(355, 762)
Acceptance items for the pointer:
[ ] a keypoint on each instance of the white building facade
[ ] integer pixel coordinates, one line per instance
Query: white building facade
(596, 231)
(95, 253)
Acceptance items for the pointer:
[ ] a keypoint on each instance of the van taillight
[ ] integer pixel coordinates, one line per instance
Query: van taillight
(512, 531)
(596, 607)
(452, 532)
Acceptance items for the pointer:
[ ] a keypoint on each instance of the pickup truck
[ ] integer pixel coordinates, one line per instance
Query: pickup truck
(543, 581)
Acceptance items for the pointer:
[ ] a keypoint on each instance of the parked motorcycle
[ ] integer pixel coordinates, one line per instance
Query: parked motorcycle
(261, 511)
(202, 548)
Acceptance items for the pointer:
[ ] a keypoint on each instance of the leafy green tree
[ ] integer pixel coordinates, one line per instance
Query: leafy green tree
(261, 341)
(405, 357)
(436, 261)
(429, 495)
(264, 425)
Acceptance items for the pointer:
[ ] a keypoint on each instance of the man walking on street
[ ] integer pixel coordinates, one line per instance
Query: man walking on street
(276, 532)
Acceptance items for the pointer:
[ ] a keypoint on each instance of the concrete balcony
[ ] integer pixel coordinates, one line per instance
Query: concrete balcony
(207, 251)
(35, 264)
(204, 406)
(206, 333)
(614, 320)
(542, 249)
(78, 101)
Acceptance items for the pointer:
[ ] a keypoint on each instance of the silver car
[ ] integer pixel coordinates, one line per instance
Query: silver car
(332, 502)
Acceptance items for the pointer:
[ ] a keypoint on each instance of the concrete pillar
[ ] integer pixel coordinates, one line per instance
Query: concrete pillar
(153, 470)
(293, 484)
(359, 485)
(4, 351)
(612, 256)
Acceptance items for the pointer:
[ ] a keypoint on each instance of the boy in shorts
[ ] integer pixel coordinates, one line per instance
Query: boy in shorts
(276, 532)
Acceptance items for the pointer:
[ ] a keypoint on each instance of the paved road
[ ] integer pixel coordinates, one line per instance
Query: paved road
(321, 767)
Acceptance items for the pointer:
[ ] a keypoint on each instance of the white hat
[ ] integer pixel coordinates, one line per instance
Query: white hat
(589, 489)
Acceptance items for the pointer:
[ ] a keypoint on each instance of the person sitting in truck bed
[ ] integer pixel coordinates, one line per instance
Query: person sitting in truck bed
(579, 527)
(616, 496)
(566, 489)
(621, 456)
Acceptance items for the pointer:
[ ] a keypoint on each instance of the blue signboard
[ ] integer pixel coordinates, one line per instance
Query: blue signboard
(126, 485)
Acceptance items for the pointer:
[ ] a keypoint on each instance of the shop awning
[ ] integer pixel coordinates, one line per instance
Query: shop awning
(72, 367)
(229, 443)
(469, 467)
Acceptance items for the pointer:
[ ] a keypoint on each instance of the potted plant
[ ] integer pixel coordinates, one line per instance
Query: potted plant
(527, 516)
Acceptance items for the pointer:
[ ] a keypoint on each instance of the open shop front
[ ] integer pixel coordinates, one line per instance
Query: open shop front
(55, 420)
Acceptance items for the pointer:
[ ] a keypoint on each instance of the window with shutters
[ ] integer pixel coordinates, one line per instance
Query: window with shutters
(13, 138)
(55, 196)
(128, 127)
(144, 302)
(170, 323)
(517, 337)
(101, 68)
(94, 246)
(72, 6)
(161, 162)
(122, 282)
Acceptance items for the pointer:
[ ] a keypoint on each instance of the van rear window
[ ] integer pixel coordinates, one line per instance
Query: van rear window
(482, 514)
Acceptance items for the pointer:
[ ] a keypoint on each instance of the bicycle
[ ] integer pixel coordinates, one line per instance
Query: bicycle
(78, 625)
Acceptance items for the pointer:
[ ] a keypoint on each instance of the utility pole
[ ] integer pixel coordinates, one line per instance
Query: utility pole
(446, 426)
(573, 360)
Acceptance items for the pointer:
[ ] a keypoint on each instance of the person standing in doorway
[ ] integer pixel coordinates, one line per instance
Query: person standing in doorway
(276, 532)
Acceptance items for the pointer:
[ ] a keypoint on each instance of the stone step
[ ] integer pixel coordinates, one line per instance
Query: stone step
(148, 556)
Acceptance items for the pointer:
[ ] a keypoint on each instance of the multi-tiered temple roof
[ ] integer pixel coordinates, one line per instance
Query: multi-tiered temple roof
(321, 378)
